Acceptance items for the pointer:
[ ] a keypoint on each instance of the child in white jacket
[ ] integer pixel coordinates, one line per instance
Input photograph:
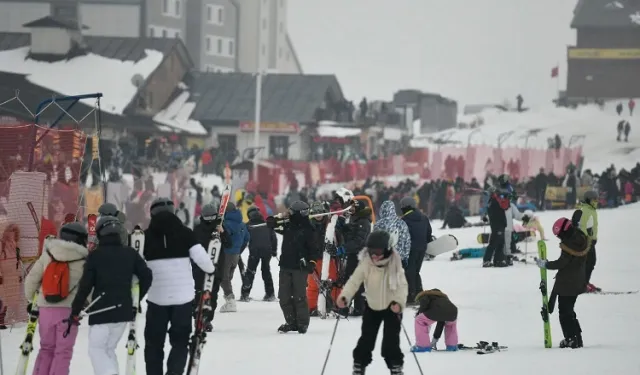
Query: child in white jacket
(386, 289)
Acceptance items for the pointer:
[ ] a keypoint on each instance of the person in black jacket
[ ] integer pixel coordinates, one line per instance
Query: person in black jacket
(355, 234)
(108, 272)
(210, 222)
(420, 232)
(263, 245)
(499, 202)
(297, 260)
(169, 248)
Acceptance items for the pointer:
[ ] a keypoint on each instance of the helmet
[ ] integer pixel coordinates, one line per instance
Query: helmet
(590, 195)
(379, 242)
(110, 209)
(503, 179)
(561, 225)
(345, 195)
(209, 212)
(162, 205)
(318, 208)
(528, 213)
(108, 225)
(299, 208)
(74, 232)
(408, 202)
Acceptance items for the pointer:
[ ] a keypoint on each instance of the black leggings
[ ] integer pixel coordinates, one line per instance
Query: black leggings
(568, 319)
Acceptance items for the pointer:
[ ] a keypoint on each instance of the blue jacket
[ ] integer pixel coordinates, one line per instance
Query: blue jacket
(389, 222)
(238, 231)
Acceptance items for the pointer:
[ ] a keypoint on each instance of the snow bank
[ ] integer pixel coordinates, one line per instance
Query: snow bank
(177, 116)
(84, 75)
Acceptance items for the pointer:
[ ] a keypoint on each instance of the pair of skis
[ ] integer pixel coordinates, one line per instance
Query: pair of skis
(542, 254)
(137, 242)
(204, 306)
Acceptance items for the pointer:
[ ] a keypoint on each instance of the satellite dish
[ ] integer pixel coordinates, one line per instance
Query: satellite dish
(137, 80)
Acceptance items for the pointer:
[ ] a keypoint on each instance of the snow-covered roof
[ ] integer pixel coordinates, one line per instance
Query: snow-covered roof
(84, 74)
(337, 132)
(177, 116)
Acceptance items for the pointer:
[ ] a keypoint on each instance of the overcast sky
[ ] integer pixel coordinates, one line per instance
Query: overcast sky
(474, 51)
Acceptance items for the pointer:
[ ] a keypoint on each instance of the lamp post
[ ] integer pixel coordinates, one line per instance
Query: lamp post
(474, 131)
(258, 104)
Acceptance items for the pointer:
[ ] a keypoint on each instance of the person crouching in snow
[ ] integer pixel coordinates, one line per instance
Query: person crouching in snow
(435, 307)
(570, 279)
(66, 254)
(532, 224)
(386, 289)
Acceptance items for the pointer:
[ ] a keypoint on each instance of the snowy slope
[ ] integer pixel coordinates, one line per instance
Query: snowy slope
(598, 127)
(494, 305)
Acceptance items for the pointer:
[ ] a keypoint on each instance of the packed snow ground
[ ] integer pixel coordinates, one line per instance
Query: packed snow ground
(494, 305)
(533, 127)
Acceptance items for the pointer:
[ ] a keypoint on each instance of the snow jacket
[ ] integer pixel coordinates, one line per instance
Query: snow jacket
(587, 219)
(263, 242)
(436, 305)
(390, 222)
(571, 265)
(62, 251)
(237, 230)
(355, 232)
(419, 229)
(384, 281)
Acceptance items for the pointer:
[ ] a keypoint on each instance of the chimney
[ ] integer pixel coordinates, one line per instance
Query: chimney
(55, 38)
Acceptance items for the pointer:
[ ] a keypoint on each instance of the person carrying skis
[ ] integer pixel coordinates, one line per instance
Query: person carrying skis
(297, 260)
(108, 274)
(240, 237)
(435, 307)
(169, 247)
(381, 272)
(210, 222)
(390, 223)
(499, 202)
(263, 245)
(586, 218)
(63, 257)
(420, 233)
(570, 279)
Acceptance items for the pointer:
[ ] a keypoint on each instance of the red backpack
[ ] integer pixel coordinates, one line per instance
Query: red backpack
(55, 280)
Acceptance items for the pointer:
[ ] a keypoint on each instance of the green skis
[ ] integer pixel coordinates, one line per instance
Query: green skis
(542, 254)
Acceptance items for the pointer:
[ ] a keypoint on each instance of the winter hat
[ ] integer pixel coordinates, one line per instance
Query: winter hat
(377, 241)
(408, 202)
(74, 232)
(230, 207)
(161, 205)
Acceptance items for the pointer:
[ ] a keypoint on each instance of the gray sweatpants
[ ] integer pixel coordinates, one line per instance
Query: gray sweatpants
(228, 269)
(292, 293)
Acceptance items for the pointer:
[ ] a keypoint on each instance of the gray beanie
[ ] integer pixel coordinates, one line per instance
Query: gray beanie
(408, 202)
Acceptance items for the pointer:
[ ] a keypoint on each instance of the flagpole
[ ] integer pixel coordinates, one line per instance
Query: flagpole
(558, 81)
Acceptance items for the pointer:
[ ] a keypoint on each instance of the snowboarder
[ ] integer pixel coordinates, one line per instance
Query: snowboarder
(420, 233)
(435, 307)
(297, 260)
(108, 273)
(586, 218)
(390, 223)
(169, 247)
(263, 245)
(570, 279)
(381, 272)
(240, 237)
(210, 221)
(499, 202)
(110, 209)
(62, 257)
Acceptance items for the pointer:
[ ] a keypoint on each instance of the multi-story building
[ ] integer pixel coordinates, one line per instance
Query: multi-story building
(221, 35)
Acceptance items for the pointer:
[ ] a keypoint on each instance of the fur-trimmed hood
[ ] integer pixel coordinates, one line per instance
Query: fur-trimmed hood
(431, 293)
(65, 251)
(577, 245)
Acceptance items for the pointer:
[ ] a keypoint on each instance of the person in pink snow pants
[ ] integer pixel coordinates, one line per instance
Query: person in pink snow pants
(435, 307)
(56, 350)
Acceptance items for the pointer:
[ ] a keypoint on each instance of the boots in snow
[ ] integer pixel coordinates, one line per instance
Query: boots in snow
(244, 298)
(396, 370)
(303, 329)
(229, 305)
(287, 328)
(269, 298)
(358, 369)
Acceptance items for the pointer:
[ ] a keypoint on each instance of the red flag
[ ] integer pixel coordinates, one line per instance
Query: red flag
(554, 72)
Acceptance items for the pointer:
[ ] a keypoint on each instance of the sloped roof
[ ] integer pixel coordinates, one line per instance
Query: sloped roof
(225, 97)
(606, 14)
(49, 21)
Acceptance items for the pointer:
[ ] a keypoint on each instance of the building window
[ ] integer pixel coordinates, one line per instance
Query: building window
(215, 15)
(221, 16)
(172, 8)
(227, 144)
(208, 39)
(279, 146)
(165, 7)
(65, 11)
(177, 8)
(219, 46)
(232, 49)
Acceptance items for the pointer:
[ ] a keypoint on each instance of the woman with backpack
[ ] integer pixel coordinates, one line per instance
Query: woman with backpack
(62, 259)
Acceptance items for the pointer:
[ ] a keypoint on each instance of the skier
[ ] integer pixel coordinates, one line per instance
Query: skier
(435, 307)
(420, 233)
(210, 222)
(169, 247)
(570, 279)
(64, 257)
(381, 272)
(296, 261)
(586, 218)
(110, 209)
(389, 222)
(499, 202)
(240, 239)
(263, 245)
(108, 273)
(355, 234)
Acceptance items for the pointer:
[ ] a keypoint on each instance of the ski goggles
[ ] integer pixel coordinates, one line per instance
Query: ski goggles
(304, 212)
(210, 217)
(374, 251)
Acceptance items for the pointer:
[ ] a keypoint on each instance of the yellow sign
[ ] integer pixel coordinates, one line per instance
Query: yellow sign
(604, 53)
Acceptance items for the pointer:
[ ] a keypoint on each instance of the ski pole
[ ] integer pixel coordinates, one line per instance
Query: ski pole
(333, 336)
(410, 344)
(89, 313)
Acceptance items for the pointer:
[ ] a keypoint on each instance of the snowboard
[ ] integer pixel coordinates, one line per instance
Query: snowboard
(442, 244)
(329, 248)
(137, 242)
(483, 238)
(542, 254)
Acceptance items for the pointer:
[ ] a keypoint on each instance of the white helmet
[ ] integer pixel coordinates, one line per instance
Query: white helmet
(345, 195)
(528, 213)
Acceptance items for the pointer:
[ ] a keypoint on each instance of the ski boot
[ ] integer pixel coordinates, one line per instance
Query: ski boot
(302, 329)
(229, 305)
(269, 298)
(287, 328)
(244, 298)
(487, 264)
(452, 348)
(501, 264)
(420, 349)
(573, 342)
(358, 369)
(396, 370)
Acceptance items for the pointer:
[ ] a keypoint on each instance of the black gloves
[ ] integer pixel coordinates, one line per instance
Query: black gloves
(309, 266)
